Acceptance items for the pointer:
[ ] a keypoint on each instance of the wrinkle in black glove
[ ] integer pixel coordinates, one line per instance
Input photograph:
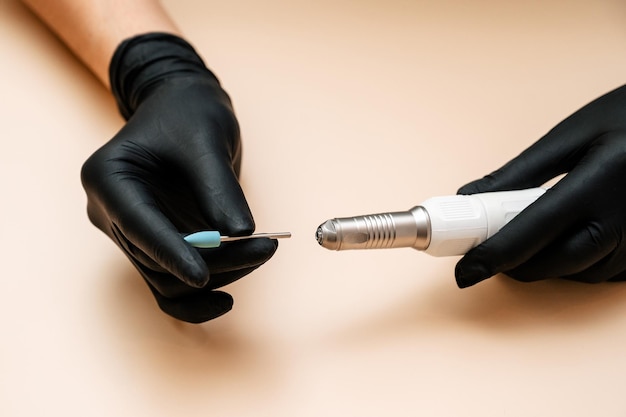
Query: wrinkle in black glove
(173, 169)
(577, 229)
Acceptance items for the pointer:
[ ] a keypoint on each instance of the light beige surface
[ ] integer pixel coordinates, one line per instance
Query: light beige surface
(347, 107)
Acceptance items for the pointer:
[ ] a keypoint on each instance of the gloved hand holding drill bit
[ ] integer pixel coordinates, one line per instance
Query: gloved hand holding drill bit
(173, 168)
(577, 229)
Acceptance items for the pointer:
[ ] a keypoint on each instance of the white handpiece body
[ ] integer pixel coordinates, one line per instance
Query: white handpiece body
(460, 222)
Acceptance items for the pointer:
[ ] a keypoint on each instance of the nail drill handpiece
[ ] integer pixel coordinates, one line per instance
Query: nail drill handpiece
(440, 226)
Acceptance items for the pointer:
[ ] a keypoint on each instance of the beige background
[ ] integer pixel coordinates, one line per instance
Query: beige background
(347, 107)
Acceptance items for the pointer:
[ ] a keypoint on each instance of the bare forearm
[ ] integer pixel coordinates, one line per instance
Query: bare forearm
(94, 28)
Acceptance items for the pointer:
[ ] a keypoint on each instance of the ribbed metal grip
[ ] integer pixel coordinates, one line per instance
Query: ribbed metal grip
(380, 229)
(377, 231)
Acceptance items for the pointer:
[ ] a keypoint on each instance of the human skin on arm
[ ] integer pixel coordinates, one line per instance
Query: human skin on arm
(93, 29)
(173, 168)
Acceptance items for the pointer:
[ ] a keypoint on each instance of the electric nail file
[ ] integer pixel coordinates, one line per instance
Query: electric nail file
(440, 226)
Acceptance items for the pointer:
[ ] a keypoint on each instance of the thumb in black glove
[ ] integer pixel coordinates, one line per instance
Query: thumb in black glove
(577, 229)
(173, 169)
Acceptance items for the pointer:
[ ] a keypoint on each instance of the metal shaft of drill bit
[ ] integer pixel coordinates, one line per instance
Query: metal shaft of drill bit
(377, 231)
(279, 235)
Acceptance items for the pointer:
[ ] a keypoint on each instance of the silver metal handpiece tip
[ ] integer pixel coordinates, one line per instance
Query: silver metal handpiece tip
(326, 235)
(319, 235)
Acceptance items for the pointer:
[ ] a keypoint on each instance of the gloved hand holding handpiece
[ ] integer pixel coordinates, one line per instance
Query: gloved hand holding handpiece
(577, 229)
(506, 222)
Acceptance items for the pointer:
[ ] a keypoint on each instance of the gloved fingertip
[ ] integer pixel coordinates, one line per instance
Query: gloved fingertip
(237, 223)
(470, 273)
(465, 190)
(241, 228)
(471, 188)
(197, 309)
(195, 274)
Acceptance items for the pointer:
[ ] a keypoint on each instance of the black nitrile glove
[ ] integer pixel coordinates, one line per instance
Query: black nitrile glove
(171, 170)
(577, 229)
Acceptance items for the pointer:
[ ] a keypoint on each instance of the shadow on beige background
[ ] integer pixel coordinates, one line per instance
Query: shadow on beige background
(499, 306)
(177, 359)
